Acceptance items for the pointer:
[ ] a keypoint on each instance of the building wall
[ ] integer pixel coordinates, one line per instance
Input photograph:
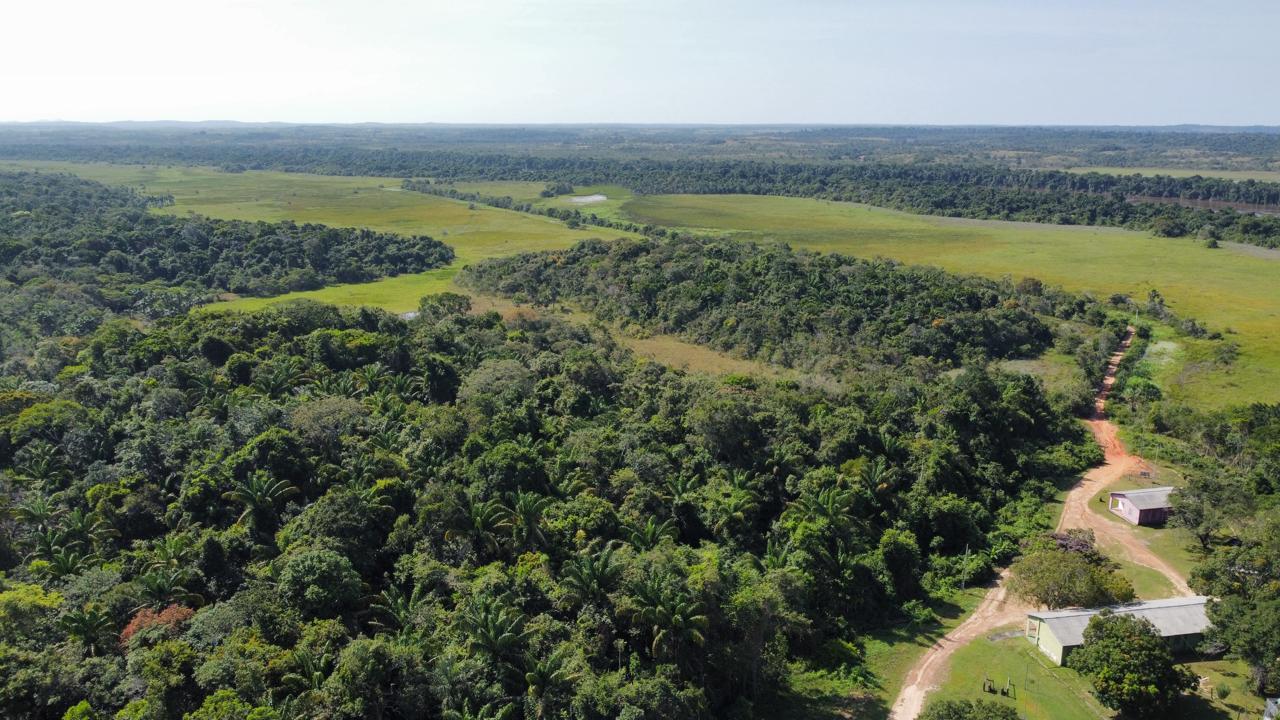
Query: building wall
(1125, 509)
(1154, 516)
(1049, 643)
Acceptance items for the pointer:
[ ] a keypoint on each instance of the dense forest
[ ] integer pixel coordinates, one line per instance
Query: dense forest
(322, 513)
(770, 302)
(73, 252)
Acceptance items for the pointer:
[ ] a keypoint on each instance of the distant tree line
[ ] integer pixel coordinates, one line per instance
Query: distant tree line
(950, 189)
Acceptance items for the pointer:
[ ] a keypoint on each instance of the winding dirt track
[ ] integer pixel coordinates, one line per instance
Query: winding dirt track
(998, 608)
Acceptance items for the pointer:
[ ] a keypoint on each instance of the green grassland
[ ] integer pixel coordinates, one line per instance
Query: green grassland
(1265, 175)
(475, 233)
(1228, 290)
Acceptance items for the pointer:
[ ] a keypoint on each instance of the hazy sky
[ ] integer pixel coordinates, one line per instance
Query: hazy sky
(721, 61)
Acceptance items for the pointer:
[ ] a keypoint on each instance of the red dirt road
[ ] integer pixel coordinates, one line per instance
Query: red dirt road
(998, 609)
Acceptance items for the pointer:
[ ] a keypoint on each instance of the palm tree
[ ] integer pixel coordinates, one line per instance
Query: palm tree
(524, 518)
(38, 510)
(650, 534)
(547, 675)
(170, 552)
(397, 607)
(337, 384)
(43, 466)
(312, 669)
(480, 524)
(69, 560)
(260, 494)
(588, 578)
(89, 528)
(159, 588)
(488, 711)
(495, 629)
(733, 512)
(370, 376)
(672, 616)
(90, 625)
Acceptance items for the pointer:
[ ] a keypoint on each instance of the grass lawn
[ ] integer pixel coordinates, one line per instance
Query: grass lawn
(1233, 674)
(1266, 175)
(1148, 584)
(1041, 690)
(1058, 371)
(1226, 289)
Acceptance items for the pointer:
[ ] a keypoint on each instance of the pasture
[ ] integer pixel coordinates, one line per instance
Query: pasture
(1228, 289)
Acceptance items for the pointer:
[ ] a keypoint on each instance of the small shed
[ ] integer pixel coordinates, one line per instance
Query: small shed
(1142, 507)
(1182, 621)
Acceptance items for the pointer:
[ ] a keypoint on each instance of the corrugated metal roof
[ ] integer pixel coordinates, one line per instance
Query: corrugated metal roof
(1147, 499)
(1172, 617)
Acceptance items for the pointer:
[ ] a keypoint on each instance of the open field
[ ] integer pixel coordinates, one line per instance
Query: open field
(1225, 289)
(1266, 175)
(378, 203)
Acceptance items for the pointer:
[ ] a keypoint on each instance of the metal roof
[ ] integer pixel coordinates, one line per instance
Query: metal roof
(1172, 617)
(1148, 499)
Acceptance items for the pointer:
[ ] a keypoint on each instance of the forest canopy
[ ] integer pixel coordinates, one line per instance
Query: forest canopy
(315, 512)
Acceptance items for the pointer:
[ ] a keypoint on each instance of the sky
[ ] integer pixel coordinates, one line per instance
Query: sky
(1061, 62)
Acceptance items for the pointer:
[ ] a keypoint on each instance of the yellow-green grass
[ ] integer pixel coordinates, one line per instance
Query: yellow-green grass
(1265, 175)
(609, 208)
(475, 232)
(1223, 289)
(1057, 371)
(1041, 690)
(891, 653)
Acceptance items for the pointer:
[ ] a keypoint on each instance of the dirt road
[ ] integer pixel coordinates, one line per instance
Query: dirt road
(1113, 536)
(997, 608)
